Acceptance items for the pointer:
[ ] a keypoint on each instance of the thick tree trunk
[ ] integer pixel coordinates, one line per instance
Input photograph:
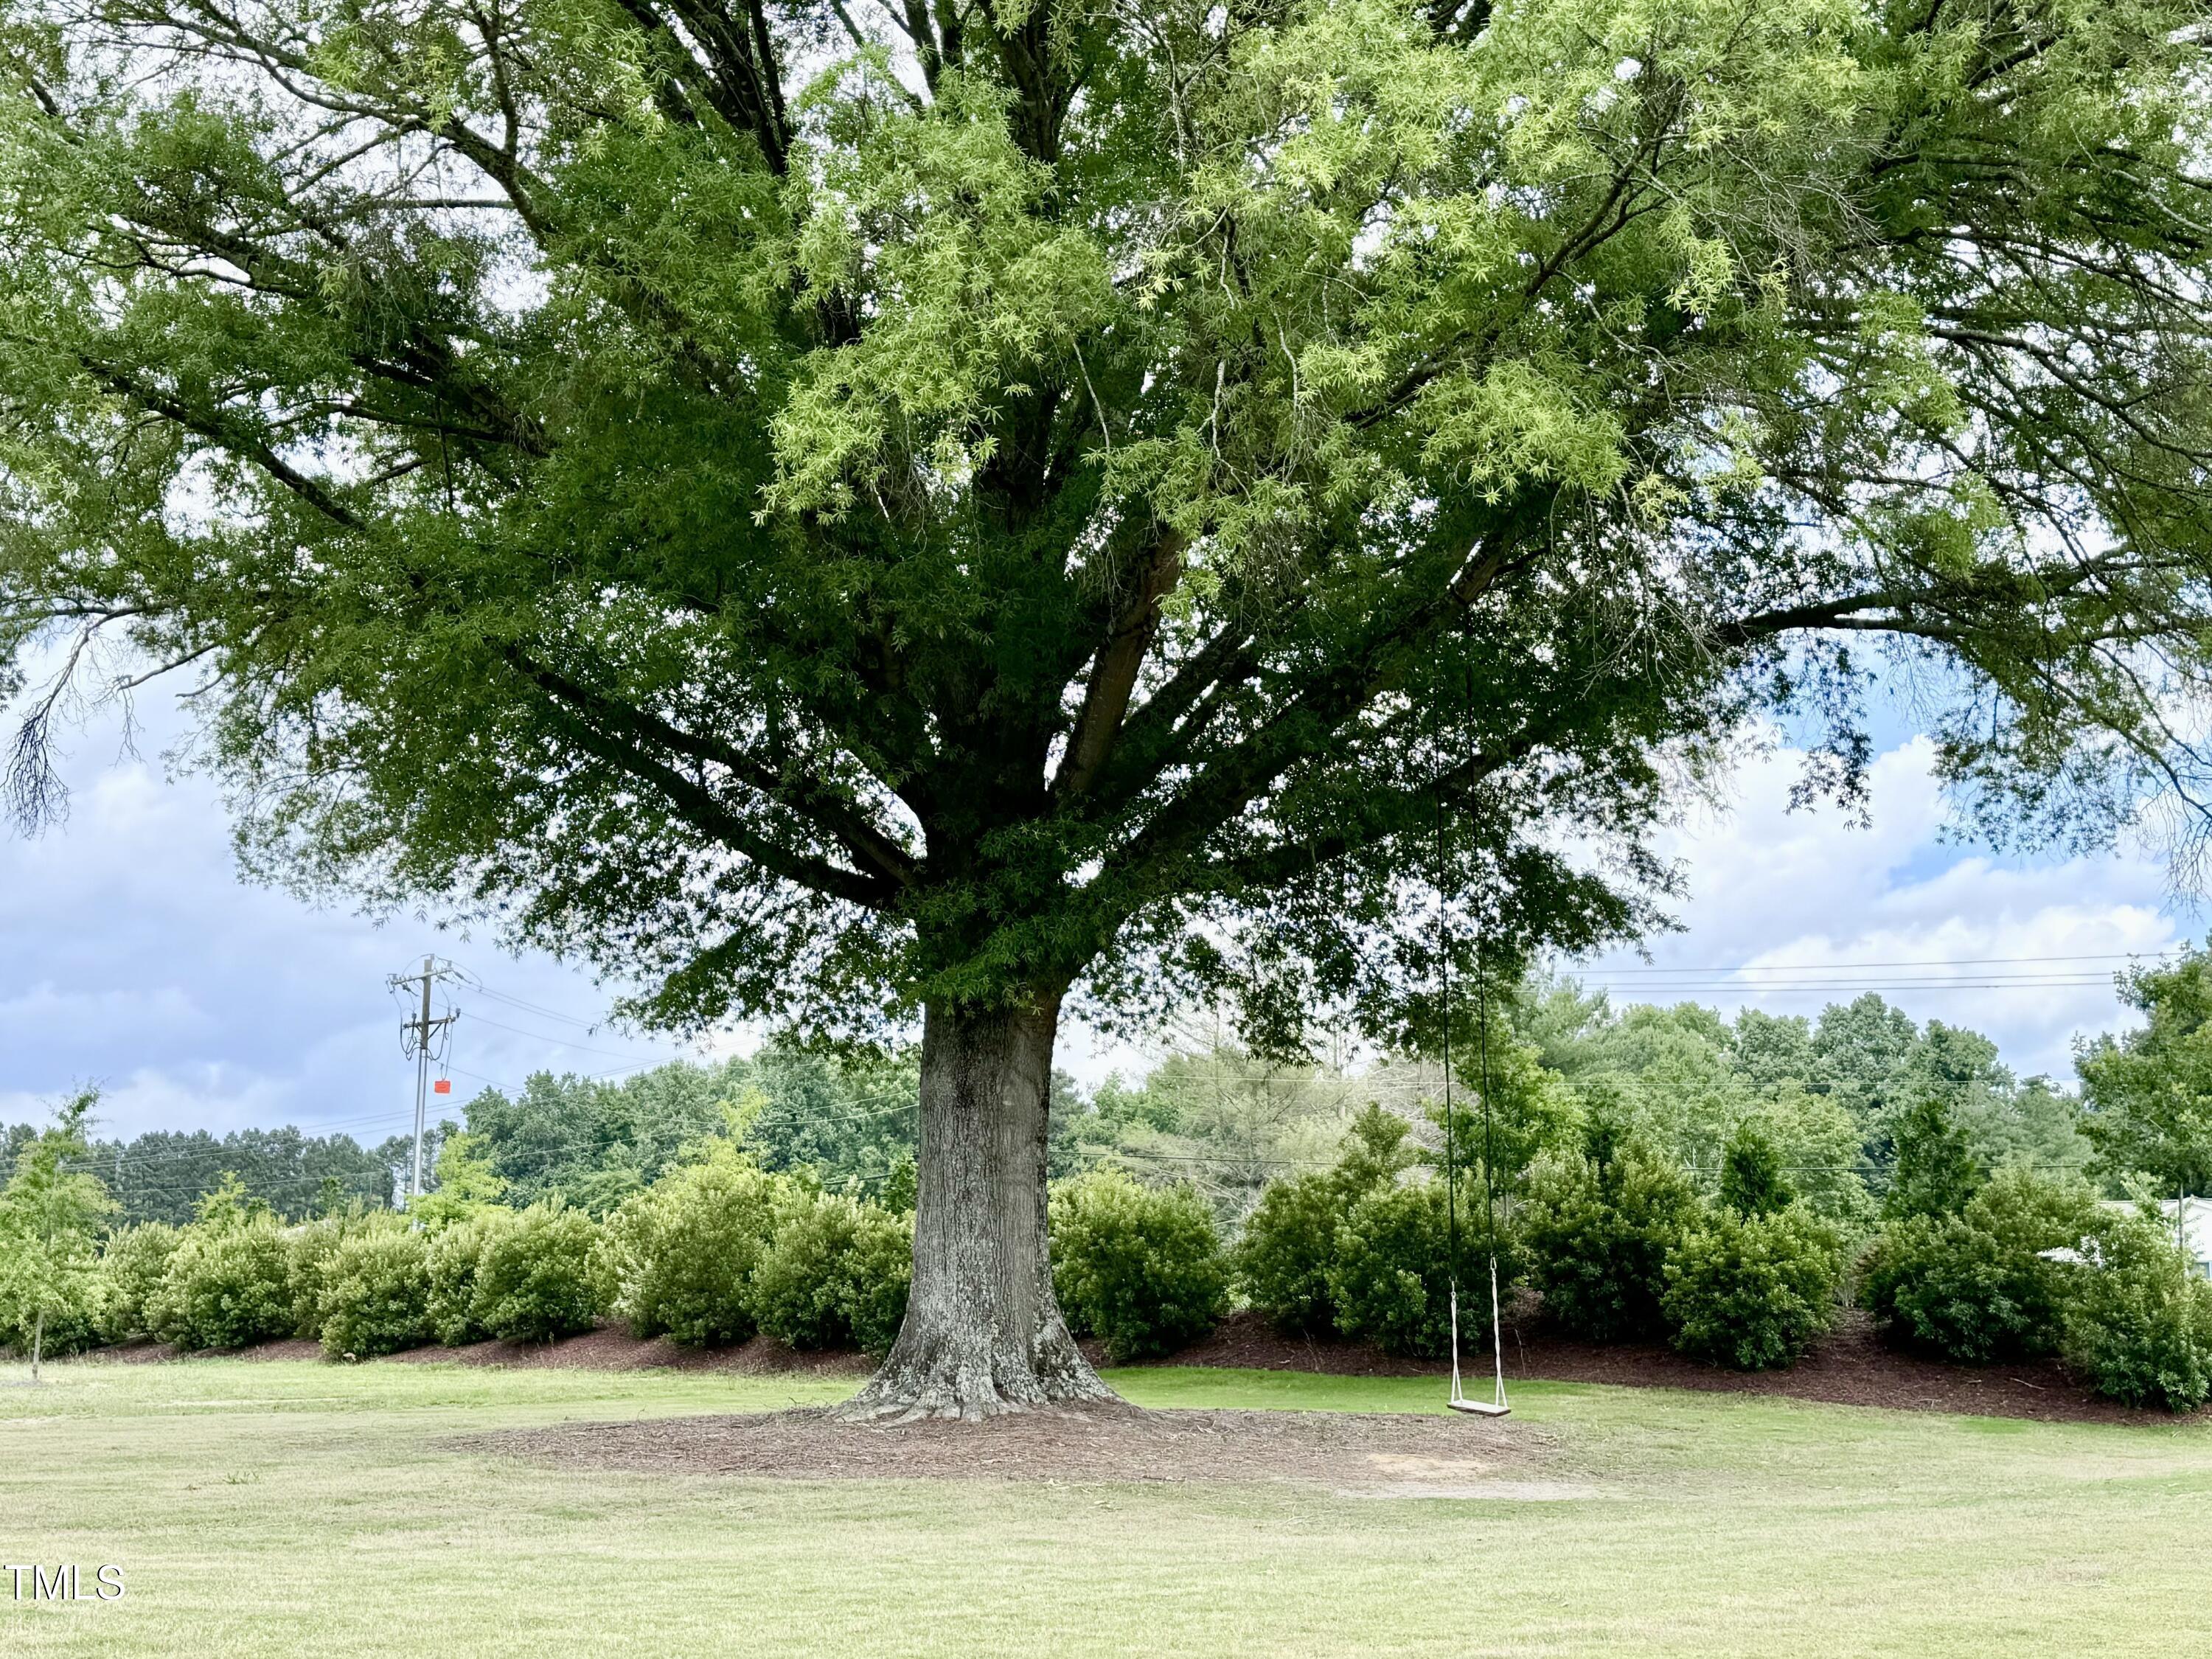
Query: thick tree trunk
(983, 1332)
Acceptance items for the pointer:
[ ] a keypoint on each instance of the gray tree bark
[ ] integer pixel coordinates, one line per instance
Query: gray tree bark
(983, 1334)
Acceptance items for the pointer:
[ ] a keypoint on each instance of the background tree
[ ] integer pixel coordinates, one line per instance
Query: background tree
(158, 1175)
(1935, 1172)
(1753, 1181)
(2148, 1094)
(51, 1216)
(465, 1183)
(593, 1141)
(856, 513)
(1863, 1048)
(1213, 1115)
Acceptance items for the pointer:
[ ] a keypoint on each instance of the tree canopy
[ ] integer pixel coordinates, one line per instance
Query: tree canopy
(838, 508)
(2149, 1092)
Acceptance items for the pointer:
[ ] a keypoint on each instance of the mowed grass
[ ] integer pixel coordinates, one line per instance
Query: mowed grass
(267, 1507)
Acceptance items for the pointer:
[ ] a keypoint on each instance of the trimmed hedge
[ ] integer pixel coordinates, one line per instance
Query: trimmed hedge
(679, 1257)
(533, 1278)
(309, 1248)
(454, 1254)
(1597, 1234)
(1288, 1248)
(1283, 1258)
(132, 1266)
(1391, 1280)
(1752, 1292)
(2139, 1322)
(72, 1332)
(225, 1287)
(835, 1273)
(1139, 1268)
(376, 1294)
(1975, 1287)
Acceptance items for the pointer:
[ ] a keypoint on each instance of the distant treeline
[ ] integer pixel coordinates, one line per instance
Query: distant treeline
(159, 1175)
(1830, 1092)
(850, 1120)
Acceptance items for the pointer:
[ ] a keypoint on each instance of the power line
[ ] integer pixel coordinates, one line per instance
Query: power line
(564, 1042)
(1918, 961)
(584, 1077)
(539, 1009)
(1832, 987)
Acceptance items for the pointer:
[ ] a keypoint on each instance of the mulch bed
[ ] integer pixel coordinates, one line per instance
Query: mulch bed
(610, 1349)
(1364, 1454)
(145, 1351)
(1850, 1366)
(1246, 1342)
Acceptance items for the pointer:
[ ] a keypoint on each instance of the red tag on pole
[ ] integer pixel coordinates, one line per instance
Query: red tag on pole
(444, 1085)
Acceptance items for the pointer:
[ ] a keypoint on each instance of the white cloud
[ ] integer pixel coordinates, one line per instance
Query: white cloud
(132, 956)
(1809, 898)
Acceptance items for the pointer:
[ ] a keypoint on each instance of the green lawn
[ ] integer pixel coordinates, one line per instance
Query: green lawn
(287, 1508)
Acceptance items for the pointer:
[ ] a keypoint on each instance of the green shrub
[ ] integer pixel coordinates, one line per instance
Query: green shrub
(1974, 1286)
(132, 1265)
(226, 1286)
(2140, 1321)
(678, 1257)
(1596, 1234)
(834, 1274)
(309, 1248)
(1283, 1257)
(902, 1186)
(376, 1293)
(454, 1254)
(534, 1278)
(227, 1205)
(1751, 1291)
(1391, 1280)
(1139, 1268)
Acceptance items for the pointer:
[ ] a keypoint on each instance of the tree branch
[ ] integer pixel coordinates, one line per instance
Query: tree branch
(827, 812)
(1113, 673)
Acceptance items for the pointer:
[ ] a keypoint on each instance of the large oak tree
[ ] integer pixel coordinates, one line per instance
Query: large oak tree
(853, 510)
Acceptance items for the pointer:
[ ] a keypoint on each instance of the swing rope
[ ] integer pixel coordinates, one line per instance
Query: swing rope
(1451, 1132)
(1458, 1399)
(1489, 1185)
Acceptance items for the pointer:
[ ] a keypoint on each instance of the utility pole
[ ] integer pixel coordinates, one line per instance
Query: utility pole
(418, 1035)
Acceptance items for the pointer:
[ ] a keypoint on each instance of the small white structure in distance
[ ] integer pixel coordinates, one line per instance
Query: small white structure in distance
(2192, 1222)
(2189, 1217)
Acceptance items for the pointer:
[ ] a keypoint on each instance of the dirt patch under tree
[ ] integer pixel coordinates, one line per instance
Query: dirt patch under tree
(1362, 1454)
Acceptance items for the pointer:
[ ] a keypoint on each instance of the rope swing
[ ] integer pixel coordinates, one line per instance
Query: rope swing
(1496, 1406)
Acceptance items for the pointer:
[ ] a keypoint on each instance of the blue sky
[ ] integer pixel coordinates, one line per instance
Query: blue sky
(131, 956)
